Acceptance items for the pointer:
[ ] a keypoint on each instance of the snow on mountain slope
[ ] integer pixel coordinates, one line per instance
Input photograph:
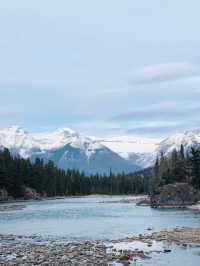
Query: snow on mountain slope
(69, 149)
(66, 148)
(143, 151)
(18, 141)
(64, 136)
(188, 139)
(124, 145)
(25, 144)
(143, 160)
(101, 160)
(56, 139)
(139, 151)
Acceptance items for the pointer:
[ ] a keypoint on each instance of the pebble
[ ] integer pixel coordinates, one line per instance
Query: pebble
(16, 251)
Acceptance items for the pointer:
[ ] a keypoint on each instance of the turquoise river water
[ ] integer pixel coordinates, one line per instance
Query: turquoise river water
(102, 218)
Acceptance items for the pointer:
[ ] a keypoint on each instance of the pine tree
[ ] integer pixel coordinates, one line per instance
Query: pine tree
(195, 165)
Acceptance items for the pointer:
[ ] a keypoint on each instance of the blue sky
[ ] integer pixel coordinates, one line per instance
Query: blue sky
(100, 67)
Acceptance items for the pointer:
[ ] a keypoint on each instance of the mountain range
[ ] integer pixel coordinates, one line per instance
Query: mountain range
(69, 149)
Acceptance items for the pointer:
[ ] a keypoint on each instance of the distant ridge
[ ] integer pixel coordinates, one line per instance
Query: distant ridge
(69, 149)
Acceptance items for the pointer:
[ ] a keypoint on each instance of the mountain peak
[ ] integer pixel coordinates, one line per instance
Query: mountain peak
(82, 150)
(15, 130)
(187, 138)
(66, 132)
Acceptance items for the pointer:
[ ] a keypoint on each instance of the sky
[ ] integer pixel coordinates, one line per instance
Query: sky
(100, 67)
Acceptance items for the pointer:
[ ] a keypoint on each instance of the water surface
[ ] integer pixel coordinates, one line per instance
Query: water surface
(93, 217)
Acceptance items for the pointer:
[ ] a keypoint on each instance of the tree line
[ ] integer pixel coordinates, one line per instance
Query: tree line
(181, 166)
(47, 179)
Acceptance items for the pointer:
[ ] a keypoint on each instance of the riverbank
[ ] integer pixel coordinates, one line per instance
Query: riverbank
(36, 250)
(11, 206)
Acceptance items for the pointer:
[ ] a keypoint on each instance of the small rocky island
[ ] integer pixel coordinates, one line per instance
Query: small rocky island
(177, 195)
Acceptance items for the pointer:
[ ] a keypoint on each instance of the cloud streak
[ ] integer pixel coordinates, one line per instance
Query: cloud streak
(152, 130)
(163, 110)
(163, 73)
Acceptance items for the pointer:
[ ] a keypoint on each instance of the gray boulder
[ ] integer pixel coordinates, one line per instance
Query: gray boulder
(30, 193)
(3, 195)
(178, 195)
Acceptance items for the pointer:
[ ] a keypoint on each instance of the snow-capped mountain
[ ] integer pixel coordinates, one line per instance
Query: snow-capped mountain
(143, 160)
(99, 160)
(26, 144)
(138, 150)
(18, 141)
(66, 148)
(188, 139)
(143, 151)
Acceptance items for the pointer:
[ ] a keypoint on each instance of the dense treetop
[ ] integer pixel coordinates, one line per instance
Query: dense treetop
(47, 179)
(15, 173)
(179, 167)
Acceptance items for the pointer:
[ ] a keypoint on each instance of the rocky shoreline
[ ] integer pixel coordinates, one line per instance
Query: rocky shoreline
(36, 250)
(11, 206)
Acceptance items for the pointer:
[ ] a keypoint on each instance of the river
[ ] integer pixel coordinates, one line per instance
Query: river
(98, 218)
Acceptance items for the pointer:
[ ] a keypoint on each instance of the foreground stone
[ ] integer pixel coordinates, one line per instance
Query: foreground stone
(182, 235)
(13, 252)
(21, 250)
(54, 254)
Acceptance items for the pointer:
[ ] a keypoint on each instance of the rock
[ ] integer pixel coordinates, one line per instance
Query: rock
(124, 258)
(144, 202)
(167, 250)
(29, 193)
(178, 195)
(182, 235)
(3, 195)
